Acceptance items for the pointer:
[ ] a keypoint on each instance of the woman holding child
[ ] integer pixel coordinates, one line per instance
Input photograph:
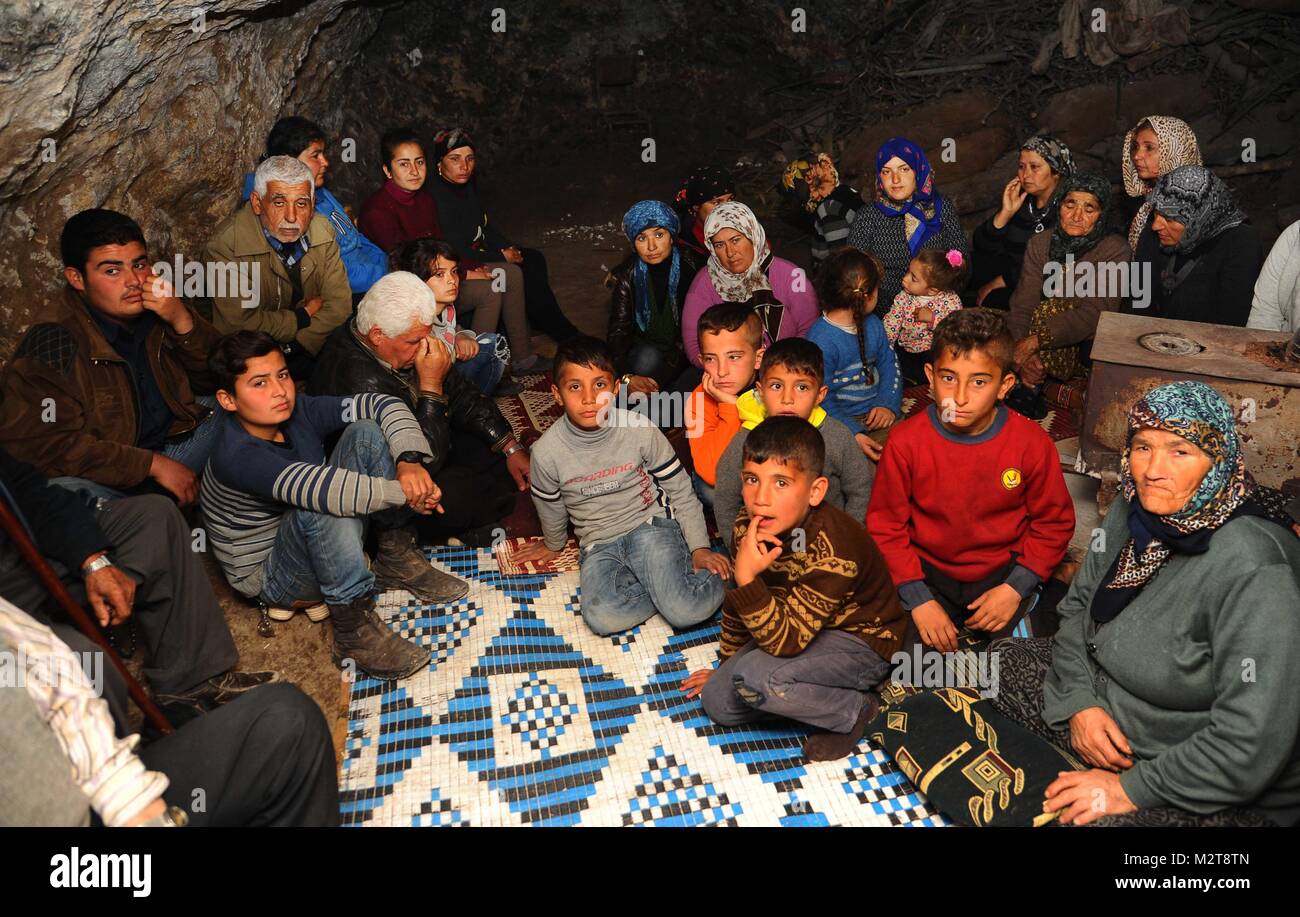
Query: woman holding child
(742, 268)
(909, 214)
(1167, 675)
(1062, 289)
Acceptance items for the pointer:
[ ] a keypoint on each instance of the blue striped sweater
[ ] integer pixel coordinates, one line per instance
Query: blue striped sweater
(249, 483)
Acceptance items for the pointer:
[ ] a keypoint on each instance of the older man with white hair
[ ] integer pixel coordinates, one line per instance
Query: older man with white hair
(475, 458)
(300, 286)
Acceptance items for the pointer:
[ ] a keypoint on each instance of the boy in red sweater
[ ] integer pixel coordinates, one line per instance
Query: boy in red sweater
(731, 339)
(969, 506)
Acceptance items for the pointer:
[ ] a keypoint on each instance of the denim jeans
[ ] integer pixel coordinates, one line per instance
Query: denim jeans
(485, 369)
(825, 685)
(704, 492)
(317, 555)
(626, 580)
(193, 450)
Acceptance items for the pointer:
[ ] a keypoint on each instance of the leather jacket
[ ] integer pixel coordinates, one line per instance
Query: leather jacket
(70, 404)
(347, 366)
(623, 330)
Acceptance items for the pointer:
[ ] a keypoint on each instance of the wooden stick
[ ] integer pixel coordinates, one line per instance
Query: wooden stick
(17, 533)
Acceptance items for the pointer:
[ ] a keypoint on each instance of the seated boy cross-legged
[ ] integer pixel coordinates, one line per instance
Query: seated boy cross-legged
(970, 507)
(641, 533)
(790, 383)
(813, 618)
(288, 525)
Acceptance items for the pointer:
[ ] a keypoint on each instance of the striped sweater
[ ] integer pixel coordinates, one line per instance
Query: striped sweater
(611, 480)
(839, 581)
(250, 483)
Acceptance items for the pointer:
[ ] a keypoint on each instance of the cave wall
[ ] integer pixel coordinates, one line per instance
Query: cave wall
(142, 107)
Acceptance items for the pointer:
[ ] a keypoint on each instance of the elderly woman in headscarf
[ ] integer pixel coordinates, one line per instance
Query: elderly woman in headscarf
(1053, 314)
(1155, 146)
(647, 292)
(1201, 254)
(1029, 208)
(742, 268)
(908, 214)
(1170, 675)
(705, 188)
(812, 183)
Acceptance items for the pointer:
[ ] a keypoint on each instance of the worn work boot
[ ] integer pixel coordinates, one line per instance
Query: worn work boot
(361, 636)
(399, 564)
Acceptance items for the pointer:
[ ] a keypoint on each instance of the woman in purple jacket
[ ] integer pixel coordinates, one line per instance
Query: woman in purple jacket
(742, 269)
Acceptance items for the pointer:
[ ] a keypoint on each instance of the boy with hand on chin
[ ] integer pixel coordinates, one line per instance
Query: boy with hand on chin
(808, 630)
(731, 347)
(644, 546)
(970, 507)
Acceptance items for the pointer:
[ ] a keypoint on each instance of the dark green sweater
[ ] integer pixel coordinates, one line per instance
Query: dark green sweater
(1199, 671)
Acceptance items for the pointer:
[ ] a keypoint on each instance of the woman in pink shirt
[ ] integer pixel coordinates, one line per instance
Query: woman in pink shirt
(743, 269)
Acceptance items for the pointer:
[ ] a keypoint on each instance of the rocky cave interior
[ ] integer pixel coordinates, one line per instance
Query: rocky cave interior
(158, 107)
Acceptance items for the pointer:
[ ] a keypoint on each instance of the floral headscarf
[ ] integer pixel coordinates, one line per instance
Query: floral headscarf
(1199, 199)
(1200, 415)
(921, 211)
(794, 181)
(738, 287)
(1055, 153)
(1177, 146)
(641, 216)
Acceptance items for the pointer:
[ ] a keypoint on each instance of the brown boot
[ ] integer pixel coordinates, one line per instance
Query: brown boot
(361, 636)
(399, 564)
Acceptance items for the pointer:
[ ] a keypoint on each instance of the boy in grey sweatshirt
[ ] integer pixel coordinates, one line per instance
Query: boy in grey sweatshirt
(641, 532)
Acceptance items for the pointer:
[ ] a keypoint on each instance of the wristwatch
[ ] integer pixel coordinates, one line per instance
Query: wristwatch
(506, 453)
(416, 458)
(99, 563)
(171, 817)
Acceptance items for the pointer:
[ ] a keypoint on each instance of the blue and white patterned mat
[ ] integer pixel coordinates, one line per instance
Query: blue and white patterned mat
(525, 717)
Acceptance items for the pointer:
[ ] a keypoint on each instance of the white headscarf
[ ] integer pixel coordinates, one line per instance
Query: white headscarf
(738, 287)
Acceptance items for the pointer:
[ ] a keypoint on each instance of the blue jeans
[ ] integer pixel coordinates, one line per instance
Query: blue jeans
(317, 555)
(192, 452)
(704, 492)
(485, 369)
(625, 581)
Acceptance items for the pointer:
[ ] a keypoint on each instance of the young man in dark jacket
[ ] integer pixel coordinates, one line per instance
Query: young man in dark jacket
(105, 392)
(386, 349)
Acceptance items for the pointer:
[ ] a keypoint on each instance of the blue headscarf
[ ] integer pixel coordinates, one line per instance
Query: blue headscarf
(641, 216)
(924, 206)
(1200, 415)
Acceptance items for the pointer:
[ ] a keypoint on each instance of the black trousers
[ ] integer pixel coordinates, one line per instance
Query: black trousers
(184, 630)
(954, 596)
(477, 490)
(540, 305)
(265, 758)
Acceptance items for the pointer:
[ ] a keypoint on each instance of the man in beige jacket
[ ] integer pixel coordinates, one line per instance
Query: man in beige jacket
(300, 287)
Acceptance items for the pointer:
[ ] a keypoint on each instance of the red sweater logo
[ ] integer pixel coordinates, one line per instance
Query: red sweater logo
(1011, 478)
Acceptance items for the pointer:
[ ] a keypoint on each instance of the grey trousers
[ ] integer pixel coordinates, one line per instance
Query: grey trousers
(490, 306)
(825, 686)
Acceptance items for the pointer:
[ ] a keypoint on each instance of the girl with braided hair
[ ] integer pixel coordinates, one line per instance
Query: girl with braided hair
(864, 386)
